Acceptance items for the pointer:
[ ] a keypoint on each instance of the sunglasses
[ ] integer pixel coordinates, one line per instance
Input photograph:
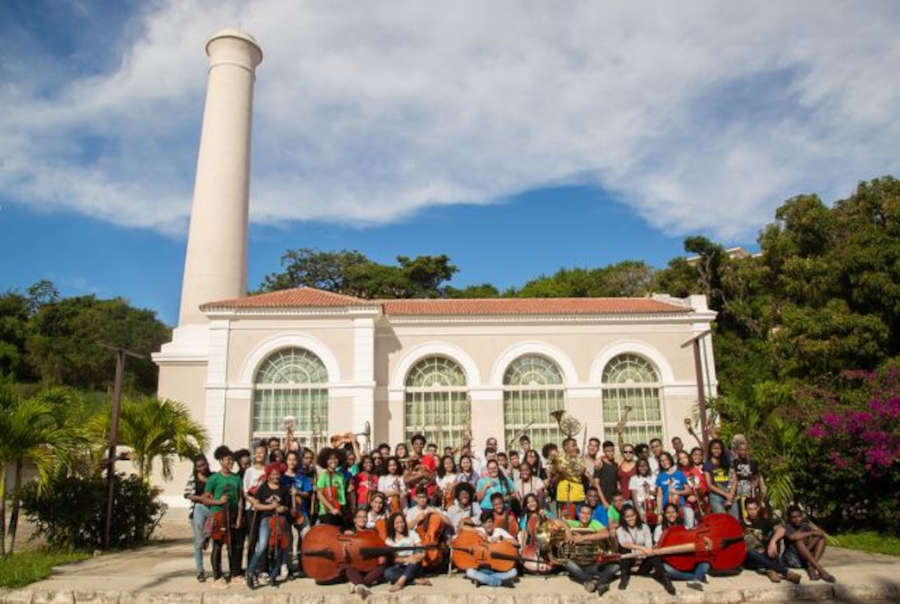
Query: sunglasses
(628, 452)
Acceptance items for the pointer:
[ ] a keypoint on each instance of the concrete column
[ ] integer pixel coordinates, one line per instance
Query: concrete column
(215, 265)
(364, 372)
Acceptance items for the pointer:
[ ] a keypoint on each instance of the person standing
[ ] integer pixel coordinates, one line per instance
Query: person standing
(331, 488)
(720, 478)
(272, 503)
(224, 494)
(606, 474)
(672, 487)
(199, 512)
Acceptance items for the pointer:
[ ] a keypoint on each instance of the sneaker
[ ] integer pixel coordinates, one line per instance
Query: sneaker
(774, 577)
(602, 588)
(590, 586)
(813, 574)
(507, 583)
(283, 575)
(263, 578)
(252, 582)
(201, 577)
(792, 577)
(667, 584)
(697, 585)
(623, 581)
(362, 591)
(828, 577)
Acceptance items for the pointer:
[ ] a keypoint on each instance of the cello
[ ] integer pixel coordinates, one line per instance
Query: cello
(430, 531)
(534, 562)
(717, 539)
(472, 550)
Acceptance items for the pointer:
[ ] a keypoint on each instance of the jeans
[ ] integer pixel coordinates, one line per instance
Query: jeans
(489, 577)
(580, 574)
(689, 517)
(393, 573)
(756, 560)
(262, 546)
(198, 522)
(679, 575)
(717, 504)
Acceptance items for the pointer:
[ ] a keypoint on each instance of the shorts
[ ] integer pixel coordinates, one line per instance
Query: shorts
(792, 559)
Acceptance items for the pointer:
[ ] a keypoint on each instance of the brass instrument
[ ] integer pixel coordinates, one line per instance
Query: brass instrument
(552, 544)
(568, 424)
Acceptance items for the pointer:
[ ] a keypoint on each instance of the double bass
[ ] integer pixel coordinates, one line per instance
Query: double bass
(326, 553)
(718, 539)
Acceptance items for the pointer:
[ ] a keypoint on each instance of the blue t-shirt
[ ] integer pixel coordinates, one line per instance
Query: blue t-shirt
(678, 481)
(523, 521)
(600, 515)
(498, 485)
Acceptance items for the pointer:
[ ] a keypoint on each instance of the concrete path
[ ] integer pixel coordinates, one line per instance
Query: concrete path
(165, 573)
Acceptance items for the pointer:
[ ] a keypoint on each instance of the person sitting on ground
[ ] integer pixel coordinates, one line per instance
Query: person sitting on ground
(484, 576)
(672, 517)
(407, 563)
(762, 535)
(594, 577)
(633, 535)
(504, 517)
(359, 583)
(804, 545)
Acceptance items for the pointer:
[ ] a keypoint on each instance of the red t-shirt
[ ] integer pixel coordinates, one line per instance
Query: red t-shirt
(625, 479)
(363, 484)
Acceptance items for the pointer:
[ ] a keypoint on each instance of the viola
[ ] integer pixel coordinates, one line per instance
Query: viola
(718, 539)
(470, 549)
(536, 563)
(430, 531)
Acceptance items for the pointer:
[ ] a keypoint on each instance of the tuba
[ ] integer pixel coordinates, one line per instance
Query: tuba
(552, 544)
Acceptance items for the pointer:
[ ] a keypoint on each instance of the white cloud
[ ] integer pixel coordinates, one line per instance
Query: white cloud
(699, 116)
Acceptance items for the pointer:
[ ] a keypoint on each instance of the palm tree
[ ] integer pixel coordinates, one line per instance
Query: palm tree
(155, 428)
(30, 431)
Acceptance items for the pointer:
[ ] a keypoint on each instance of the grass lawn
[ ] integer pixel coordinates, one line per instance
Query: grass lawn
(26, 567)
(870, 541)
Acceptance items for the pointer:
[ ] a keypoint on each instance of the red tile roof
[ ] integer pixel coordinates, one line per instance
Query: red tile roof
(529, 306)
(291, 298)
(306, 297)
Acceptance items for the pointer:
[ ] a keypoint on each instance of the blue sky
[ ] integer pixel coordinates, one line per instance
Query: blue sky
(514, 140)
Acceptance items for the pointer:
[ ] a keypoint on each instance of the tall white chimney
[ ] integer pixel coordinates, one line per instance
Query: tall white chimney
(215, 265)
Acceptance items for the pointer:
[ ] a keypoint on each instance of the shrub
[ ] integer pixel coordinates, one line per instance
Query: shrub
(70, 511)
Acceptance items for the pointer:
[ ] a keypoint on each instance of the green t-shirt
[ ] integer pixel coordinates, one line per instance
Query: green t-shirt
(613, 514)
(594, 525)
(336, 480)
(219, 484)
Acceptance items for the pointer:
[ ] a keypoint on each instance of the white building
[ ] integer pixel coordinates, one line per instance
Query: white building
(403, 366)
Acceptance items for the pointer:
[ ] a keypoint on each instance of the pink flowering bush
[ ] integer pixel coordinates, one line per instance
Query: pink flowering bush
(855, 461)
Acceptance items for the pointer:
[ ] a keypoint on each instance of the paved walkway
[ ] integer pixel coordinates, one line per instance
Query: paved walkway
(165, 573)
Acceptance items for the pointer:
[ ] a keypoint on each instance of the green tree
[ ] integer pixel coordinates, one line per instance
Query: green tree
(626, 278)
(30, 431)
(63, 344)
(352, 273)
(155, 430)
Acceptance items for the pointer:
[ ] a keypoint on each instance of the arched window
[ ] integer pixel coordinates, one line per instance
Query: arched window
(629, 381)
(292, 381)
(437, 404)
(532, 388)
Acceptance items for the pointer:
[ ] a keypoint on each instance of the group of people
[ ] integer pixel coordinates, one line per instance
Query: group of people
(620, 497)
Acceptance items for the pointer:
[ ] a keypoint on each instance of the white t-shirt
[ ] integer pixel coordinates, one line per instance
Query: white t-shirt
(457, 514)
(389, 482)
(637, 483)
(412, 513)
(498, 534)
(533, 485)
(252, 478)
(409, 540)
(448, 480)
(372, 518)
(637, 536)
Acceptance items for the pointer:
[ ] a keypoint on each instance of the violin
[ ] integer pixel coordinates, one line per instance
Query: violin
(430, 531)
(278, 532)
(326, 553)
(531, 549)
(470, 549)
(650, 515)
(718, 539)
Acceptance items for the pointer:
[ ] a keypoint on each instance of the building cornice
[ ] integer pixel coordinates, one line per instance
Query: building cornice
(307, 312)
(649, 318)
